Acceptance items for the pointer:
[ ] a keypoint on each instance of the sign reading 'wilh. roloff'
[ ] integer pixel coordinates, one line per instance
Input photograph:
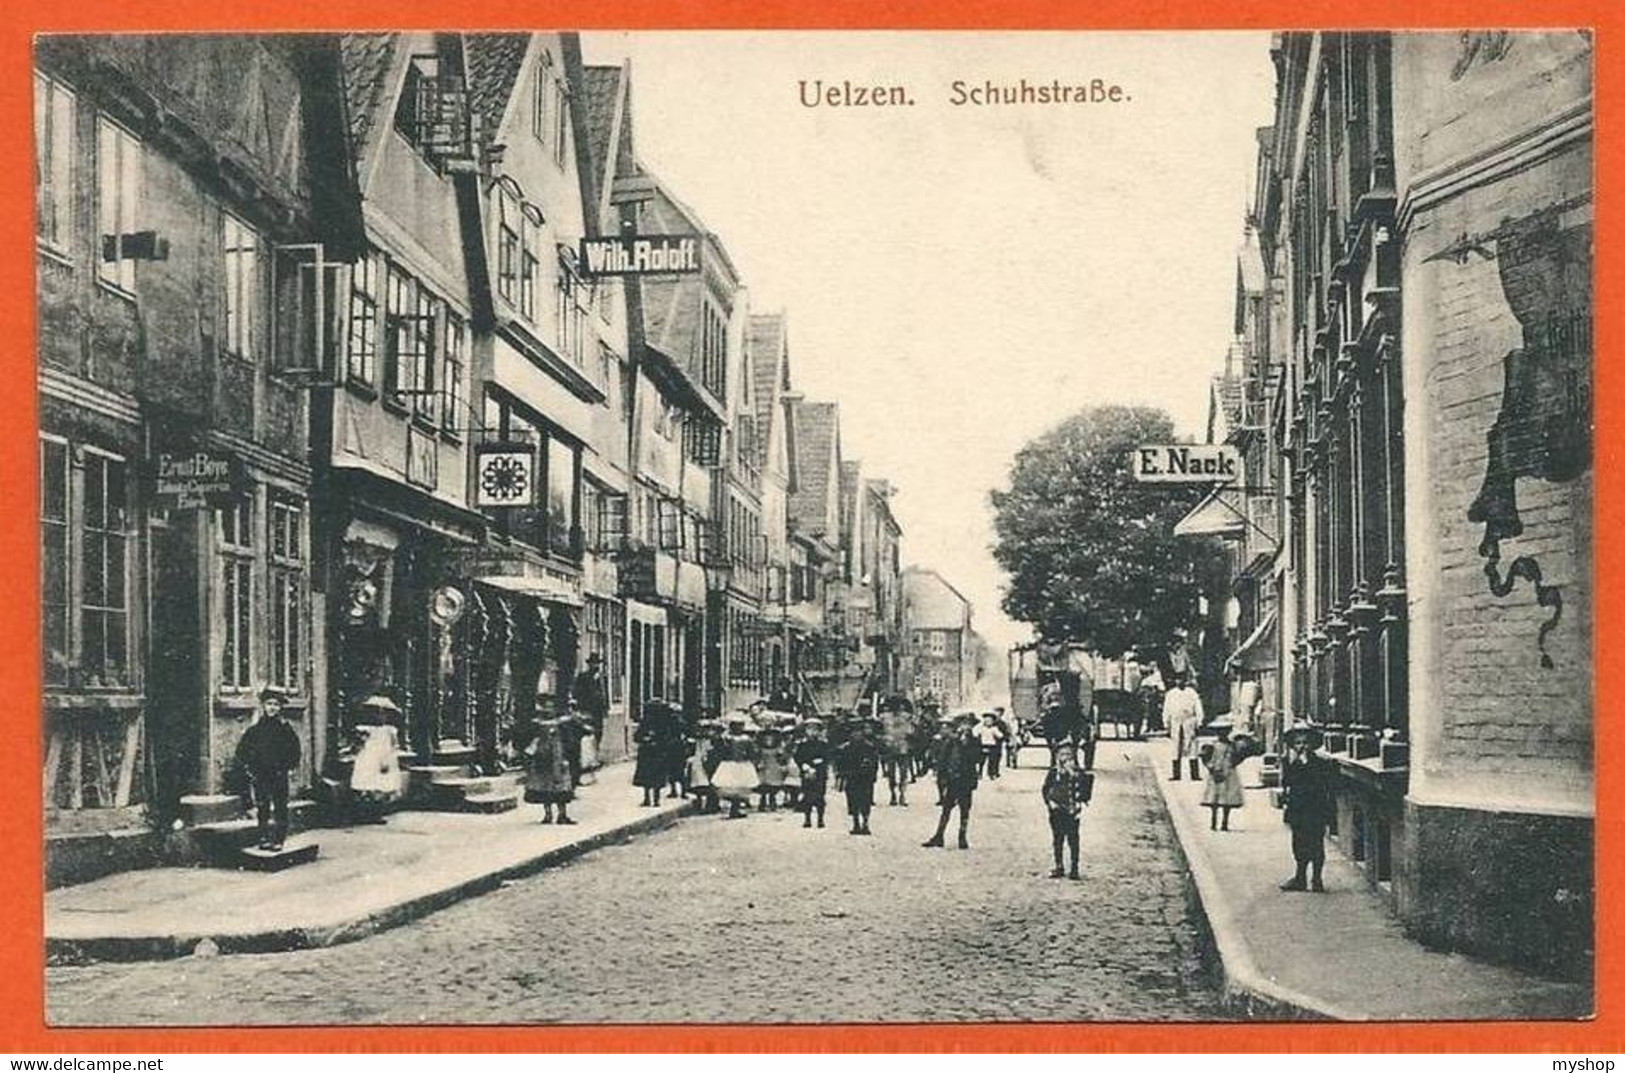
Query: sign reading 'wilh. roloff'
(640, 255)
(1185, 463)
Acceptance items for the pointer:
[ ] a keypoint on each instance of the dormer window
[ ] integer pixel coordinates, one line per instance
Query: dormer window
(432, 111)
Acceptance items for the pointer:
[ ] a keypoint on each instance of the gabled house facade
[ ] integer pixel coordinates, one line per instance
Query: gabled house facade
(394, 433)
(821, 647)
(193, 196)
(768, 344)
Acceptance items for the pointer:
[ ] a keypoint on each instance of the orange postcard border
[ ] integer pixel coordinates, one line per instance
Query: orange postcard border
(21, 914)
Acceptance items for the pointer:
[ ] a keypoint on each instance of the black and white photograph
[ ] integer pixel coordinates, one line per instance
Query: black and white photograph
(815, 527)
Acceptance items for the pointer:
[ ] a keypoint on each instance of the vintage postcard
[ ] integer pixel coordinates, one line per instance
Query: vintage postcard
(814, 527)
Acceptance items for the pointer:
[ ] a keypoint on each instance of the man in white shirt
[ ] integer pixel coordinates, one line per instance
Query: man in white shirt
(990, 735)
(1182, 714)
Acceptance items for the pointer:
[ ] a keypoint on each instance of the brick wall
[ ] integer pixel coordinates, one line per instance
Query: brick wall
(1509, 700)
(1494, 165)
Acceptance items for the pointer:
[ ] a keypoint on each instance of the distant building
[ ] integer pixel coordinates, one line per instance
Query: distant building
(941, 647)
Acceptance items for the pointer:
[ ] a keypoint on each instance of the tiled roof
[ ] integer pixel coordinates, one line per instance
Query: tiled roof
(597, 112)
(932, 602)
(849, 496)
(1227, 396)
(817, 435)
(672, 308)
(492, 63)
(764, 335)
(367, 59)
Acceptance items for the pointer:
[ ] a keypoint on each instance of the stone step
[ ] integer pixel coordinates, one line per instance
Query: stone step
(477, 784)
(453, 752)
(209, 808)
(218, 841)
(489, 803)
(437, 772)
(294, 853)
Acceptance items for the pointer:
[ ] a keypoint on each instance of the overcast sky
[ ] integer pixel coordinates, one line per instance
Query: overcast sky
(961, 278)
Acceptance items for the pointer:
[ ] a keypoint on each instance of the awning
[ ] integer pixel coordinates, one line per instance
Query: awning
(1257, 652)
(549, 590)
(1217, 515)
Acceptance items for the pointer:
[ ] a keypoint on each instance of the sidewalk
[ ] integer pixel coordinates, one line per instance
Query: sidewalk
(366, 879)
(1341, 955)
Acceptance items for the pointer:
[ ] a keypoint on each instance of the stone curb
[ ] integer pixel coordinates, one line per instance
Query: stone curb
(1246, 991)
(275, 940)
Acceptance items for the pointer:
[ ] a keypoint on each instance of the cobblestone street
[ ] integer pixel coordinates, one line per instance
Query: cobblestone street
(753, 921)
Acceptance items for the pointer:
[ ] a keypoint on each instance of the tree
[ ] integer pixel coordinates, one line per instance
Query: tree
(1091, 553)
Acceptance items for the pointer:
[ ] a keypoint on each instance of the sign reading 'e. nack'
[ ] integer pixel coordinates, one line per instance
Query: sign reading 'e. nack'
(1185, 463)
(640, 255)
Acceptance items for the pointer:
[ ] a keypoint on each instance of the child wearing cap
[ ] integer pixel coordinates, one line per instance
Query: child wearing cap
(268, 753)
(859, 768)
(812, 765)
(1066, 790)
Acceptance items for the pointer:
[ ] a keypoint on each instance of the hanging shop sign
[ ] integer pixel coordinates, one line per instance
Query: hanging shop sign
(189, 477)
(1185, 463)
(640, 255)
(504, 475)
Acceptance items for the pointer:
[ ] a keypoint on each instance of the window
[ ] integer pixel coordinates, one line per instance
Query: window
(105, 614)
(236, 544)
(939, 643)
(409, 343)
(551, 524)
(604, 632)
(542, 95)
(670, 536)
(604, 518)
(118, 198)
(563, 469)
(713, 350)
(56, 579)
(508, 243)
(702, 441)
(84, 582)
(561, 121)
(54, 150)
(361, 364)
(451, 379)
(572, 311)
(240, 250)
(519, 243)
(287, 569)
(529, 260)
(419, 363)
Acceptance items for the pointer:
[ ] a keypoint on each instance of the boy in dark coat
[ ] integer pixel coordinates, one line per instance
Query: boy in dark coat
(959, 763)
(812, 760)
(268, 752)
(1066, 790)
(859, 767)
(1308, 780)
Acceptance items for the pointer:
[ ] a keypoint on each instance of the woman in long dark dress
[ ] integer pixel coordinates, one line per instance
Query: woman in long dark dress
(654, 739)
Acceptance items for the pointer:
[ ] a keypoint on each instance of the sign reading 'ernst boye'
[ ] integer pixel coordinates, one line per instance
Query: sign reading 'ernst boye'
(640, 255)
(1185, 463)
(199, 477)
